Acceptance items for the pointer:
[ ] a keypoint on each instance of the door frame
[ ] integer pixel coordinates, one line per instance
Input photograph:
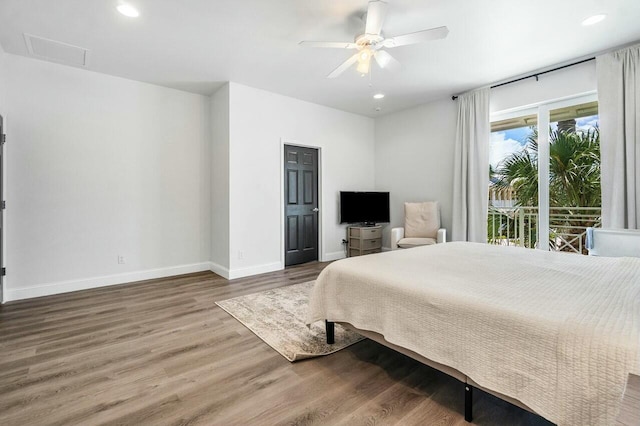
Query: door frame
(283, 142)
(3, 215)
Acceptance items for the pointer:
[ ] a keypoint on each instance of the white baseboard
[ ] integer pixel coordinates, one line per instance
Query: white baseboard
(386, 248)
(107, 280)
(253, 270)
(336, 255)
(219, 269)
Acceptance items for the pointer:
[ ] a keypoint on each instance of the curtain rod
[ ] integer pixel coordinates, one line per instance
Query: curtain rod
(536, 75)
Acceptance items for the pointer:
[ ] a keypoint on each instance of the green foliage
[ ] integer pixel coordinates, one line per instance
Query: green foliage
(574, 170)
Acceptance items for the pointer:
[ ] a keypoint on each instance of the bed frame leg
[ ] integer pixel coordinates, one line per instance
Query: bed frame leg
(330, 327)
(468, 403)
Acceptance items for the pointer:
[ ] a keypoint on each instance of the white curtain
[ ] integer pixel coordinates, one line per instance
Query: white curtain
(471, 169)
(619, 110)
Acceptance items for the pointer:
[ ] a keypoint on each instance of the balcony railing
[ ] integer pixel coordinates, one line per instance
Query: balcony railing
(518, 226)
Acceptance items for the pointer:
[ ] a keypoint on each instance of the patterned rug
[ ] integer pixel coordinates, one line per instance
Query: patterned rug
(278, 317)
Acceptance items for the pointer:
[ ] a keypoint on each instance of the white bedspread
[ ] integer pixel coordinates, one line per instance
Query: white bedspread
(557, 331)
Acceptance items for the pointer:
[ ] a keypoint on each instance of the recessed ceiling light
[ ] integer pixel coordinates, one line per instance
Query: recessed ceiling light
(128, 10)
(593, 19)
(378, 96)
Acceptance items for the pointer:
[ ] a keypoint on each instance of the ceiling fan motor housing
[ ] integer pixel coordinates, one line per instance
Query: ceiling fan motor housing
(368, 40)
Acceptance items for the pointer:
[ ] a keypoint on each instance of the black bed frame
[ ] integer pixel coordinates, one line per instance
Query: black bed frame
(468, 389)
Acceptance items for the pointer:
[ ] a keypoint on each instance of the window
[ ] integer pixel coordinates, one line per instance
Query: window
(545, 184)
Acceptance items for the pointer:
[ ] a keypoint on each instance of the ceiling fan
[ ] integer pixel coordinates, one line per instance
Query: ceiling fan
(370, 44)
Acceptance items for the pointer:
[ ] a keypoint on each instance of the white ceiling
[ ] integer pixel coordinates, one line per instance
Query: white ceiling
(196, 45)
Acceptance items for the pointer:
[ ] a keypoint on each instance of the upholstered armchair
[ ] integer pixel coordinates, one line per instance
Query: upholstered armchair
(421, 226)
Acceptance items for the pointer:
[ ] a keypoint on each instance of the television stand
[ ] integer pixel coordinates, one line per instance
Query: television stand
(365, 239)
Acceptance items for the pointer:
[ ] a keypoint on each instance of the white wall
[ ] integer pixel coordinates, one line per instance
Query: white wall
(97, 167)
(572, 81)
(414, 158)
(101, 166)
(220, 181)
(259, 122)
(3, 82)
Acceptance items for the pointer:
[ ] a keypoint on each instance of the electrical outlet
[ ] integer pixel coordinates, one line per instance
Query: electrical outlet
(240, 254)
(121, 260)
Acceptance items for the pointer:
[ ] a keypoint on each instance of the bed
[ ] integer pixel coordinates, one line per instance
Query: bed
(554, 333)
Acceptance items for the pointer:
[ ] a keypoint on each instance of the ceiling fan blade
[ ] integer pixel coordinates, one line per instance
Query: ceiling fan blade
(376, 13)
(344, 66)
(386, 61)
(417, 37)
(330, 44)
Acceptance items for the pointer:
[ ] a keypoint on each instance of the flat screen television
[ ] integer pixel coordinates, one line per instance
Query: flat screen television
(364, 207)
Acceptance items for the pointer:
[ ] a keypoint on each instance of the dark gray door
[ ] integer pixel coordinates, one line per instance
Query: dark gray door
(300, 204)
(2, 139)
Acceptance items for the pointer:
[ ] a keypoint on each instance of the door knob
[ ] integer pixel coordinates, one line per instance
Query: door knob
(316, 210)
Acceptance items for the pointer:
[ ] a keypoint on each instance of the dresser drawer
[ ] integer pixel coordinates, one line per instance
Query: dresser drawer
(366, 244)
(378, 250)
(366, 233)
(358, 252)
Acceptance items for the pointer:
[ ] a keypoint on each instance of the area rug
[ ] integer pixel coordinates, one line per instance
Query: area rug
(278, 317)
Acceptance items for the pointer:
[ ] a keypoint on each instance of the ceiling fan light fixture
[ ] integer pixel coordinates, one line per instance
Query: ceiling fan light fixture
(364, 55)
(363, 67)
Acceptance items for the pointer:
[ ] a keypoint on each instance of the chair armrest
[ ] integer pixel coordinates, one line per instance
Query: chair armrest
(442, 236)
(396, 235)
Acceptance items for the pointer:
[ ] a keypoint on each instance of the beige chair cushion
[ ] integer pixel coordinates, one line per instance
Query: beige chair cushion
(421, 220)
(415, 242)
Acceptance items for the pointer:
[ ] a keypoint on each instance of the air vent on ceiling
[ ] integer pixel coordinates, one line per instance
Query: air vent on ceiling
(56, 51)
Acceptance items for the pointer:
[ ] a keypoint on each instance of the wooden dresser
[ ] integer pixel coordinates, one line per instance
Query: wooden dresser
(363, 240)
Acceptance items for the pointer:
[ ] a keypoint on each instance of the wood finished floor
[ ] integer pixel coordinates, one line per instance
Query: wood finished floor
(161, 352)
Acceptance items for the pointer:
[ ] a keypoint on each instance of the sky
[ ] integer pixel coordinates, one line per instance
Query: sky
(503, 144)
(587, 123)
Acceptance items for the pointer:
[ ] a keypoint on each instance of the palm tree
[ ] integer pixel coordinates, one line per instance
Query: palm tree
(575, 169)
(574, 174)
(519, 171)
